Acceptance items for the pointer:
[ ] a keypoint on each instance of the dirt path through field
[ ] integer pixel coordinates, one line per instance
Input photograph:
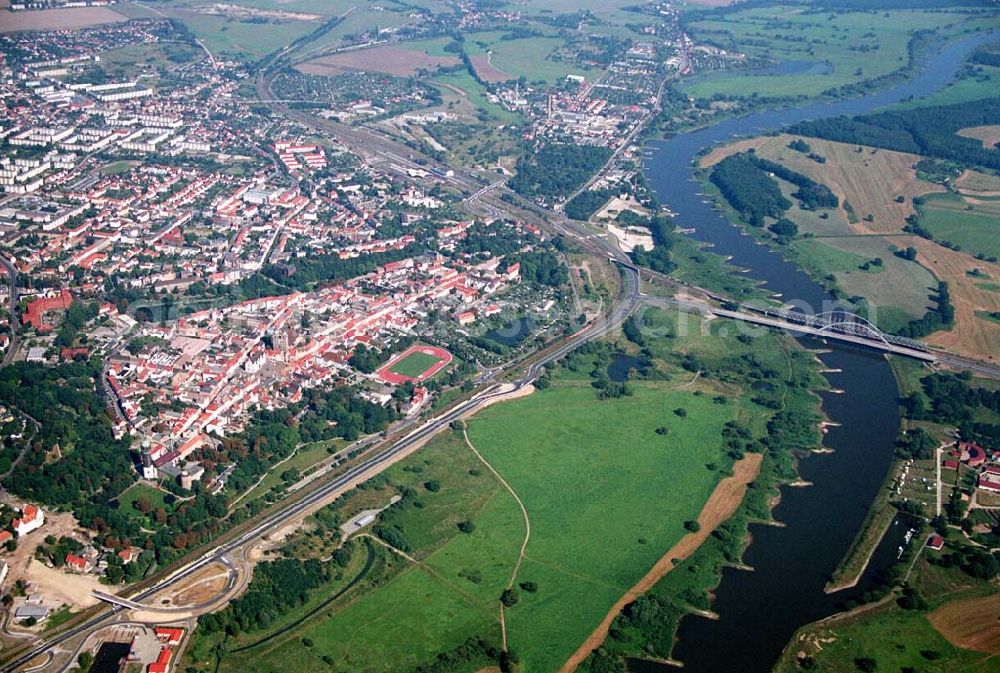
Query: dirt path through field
(527, 526)
(721, 505)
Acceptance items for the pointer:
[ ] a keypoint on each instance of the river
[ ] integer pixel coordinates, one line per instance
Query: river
(759, 610)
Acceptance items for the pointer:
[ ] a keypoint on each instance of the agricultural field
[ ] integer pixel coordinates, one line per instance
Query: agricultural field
(989, 136)
(973, 183)
(878, 190)
(814, 51)
(539, 59)
(58, 19)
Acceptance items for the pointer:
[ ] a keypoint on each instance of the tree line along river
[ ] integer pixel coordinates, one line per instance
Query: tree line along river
(759, 611)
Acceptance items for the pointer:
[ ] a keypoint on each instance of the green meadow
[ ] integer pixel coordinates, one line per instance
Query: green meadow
(973, 227)
(846, 47)
(607, 485)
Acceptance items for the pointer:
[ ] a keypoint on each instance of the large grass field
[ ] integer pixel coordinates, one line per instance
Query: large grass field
(839, 49)
(605, 492)
(982, 82)
(534, 58)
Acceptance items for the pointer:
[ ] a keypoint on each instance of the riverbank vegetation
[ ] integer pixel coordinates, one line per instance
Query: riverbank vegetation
(782, 377)
(943, 620)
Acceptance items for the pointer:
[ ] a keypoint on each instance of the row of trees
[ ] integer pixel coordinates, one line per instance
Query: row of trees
(943, 315)
(928, 131)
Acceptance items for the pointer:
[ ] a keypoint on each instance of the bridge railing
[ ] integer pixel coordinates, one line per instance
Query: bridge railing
(850, 324)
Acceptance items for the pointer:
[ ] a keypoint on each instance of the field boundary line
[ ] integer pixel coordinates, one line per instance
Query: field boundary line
(426, 567)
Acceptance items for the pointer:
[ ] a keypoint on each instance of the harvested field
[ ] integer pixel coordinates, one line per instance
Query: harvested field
(390, 60)
(870, 180)
(970, 335)
(240, 12)
(978, 184)
(988, 135)
(972, 624)
(486, 71)
(57, 19)
(723, 151)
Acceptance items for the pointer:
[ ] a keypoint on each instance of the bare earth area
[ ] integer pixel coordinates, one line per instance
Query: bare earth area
(721, 505)
(59, 587)
(972, 624)
(199, 588)
(57, 19)
(486, 70)
(390, 60)
(988, 135)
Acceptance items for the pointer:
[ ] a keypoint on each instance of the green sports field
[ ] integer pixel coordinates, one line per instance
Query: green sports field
(414, 364)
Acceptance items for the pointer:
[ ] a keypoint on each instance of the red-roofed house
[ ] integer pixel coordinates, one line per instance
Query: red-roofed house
(989, 478)
(973, 454)
(5, 535)
(162, 662)
(949, 464)
(935, 542)
(77, 563)
(169, 635)
(31, 519)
